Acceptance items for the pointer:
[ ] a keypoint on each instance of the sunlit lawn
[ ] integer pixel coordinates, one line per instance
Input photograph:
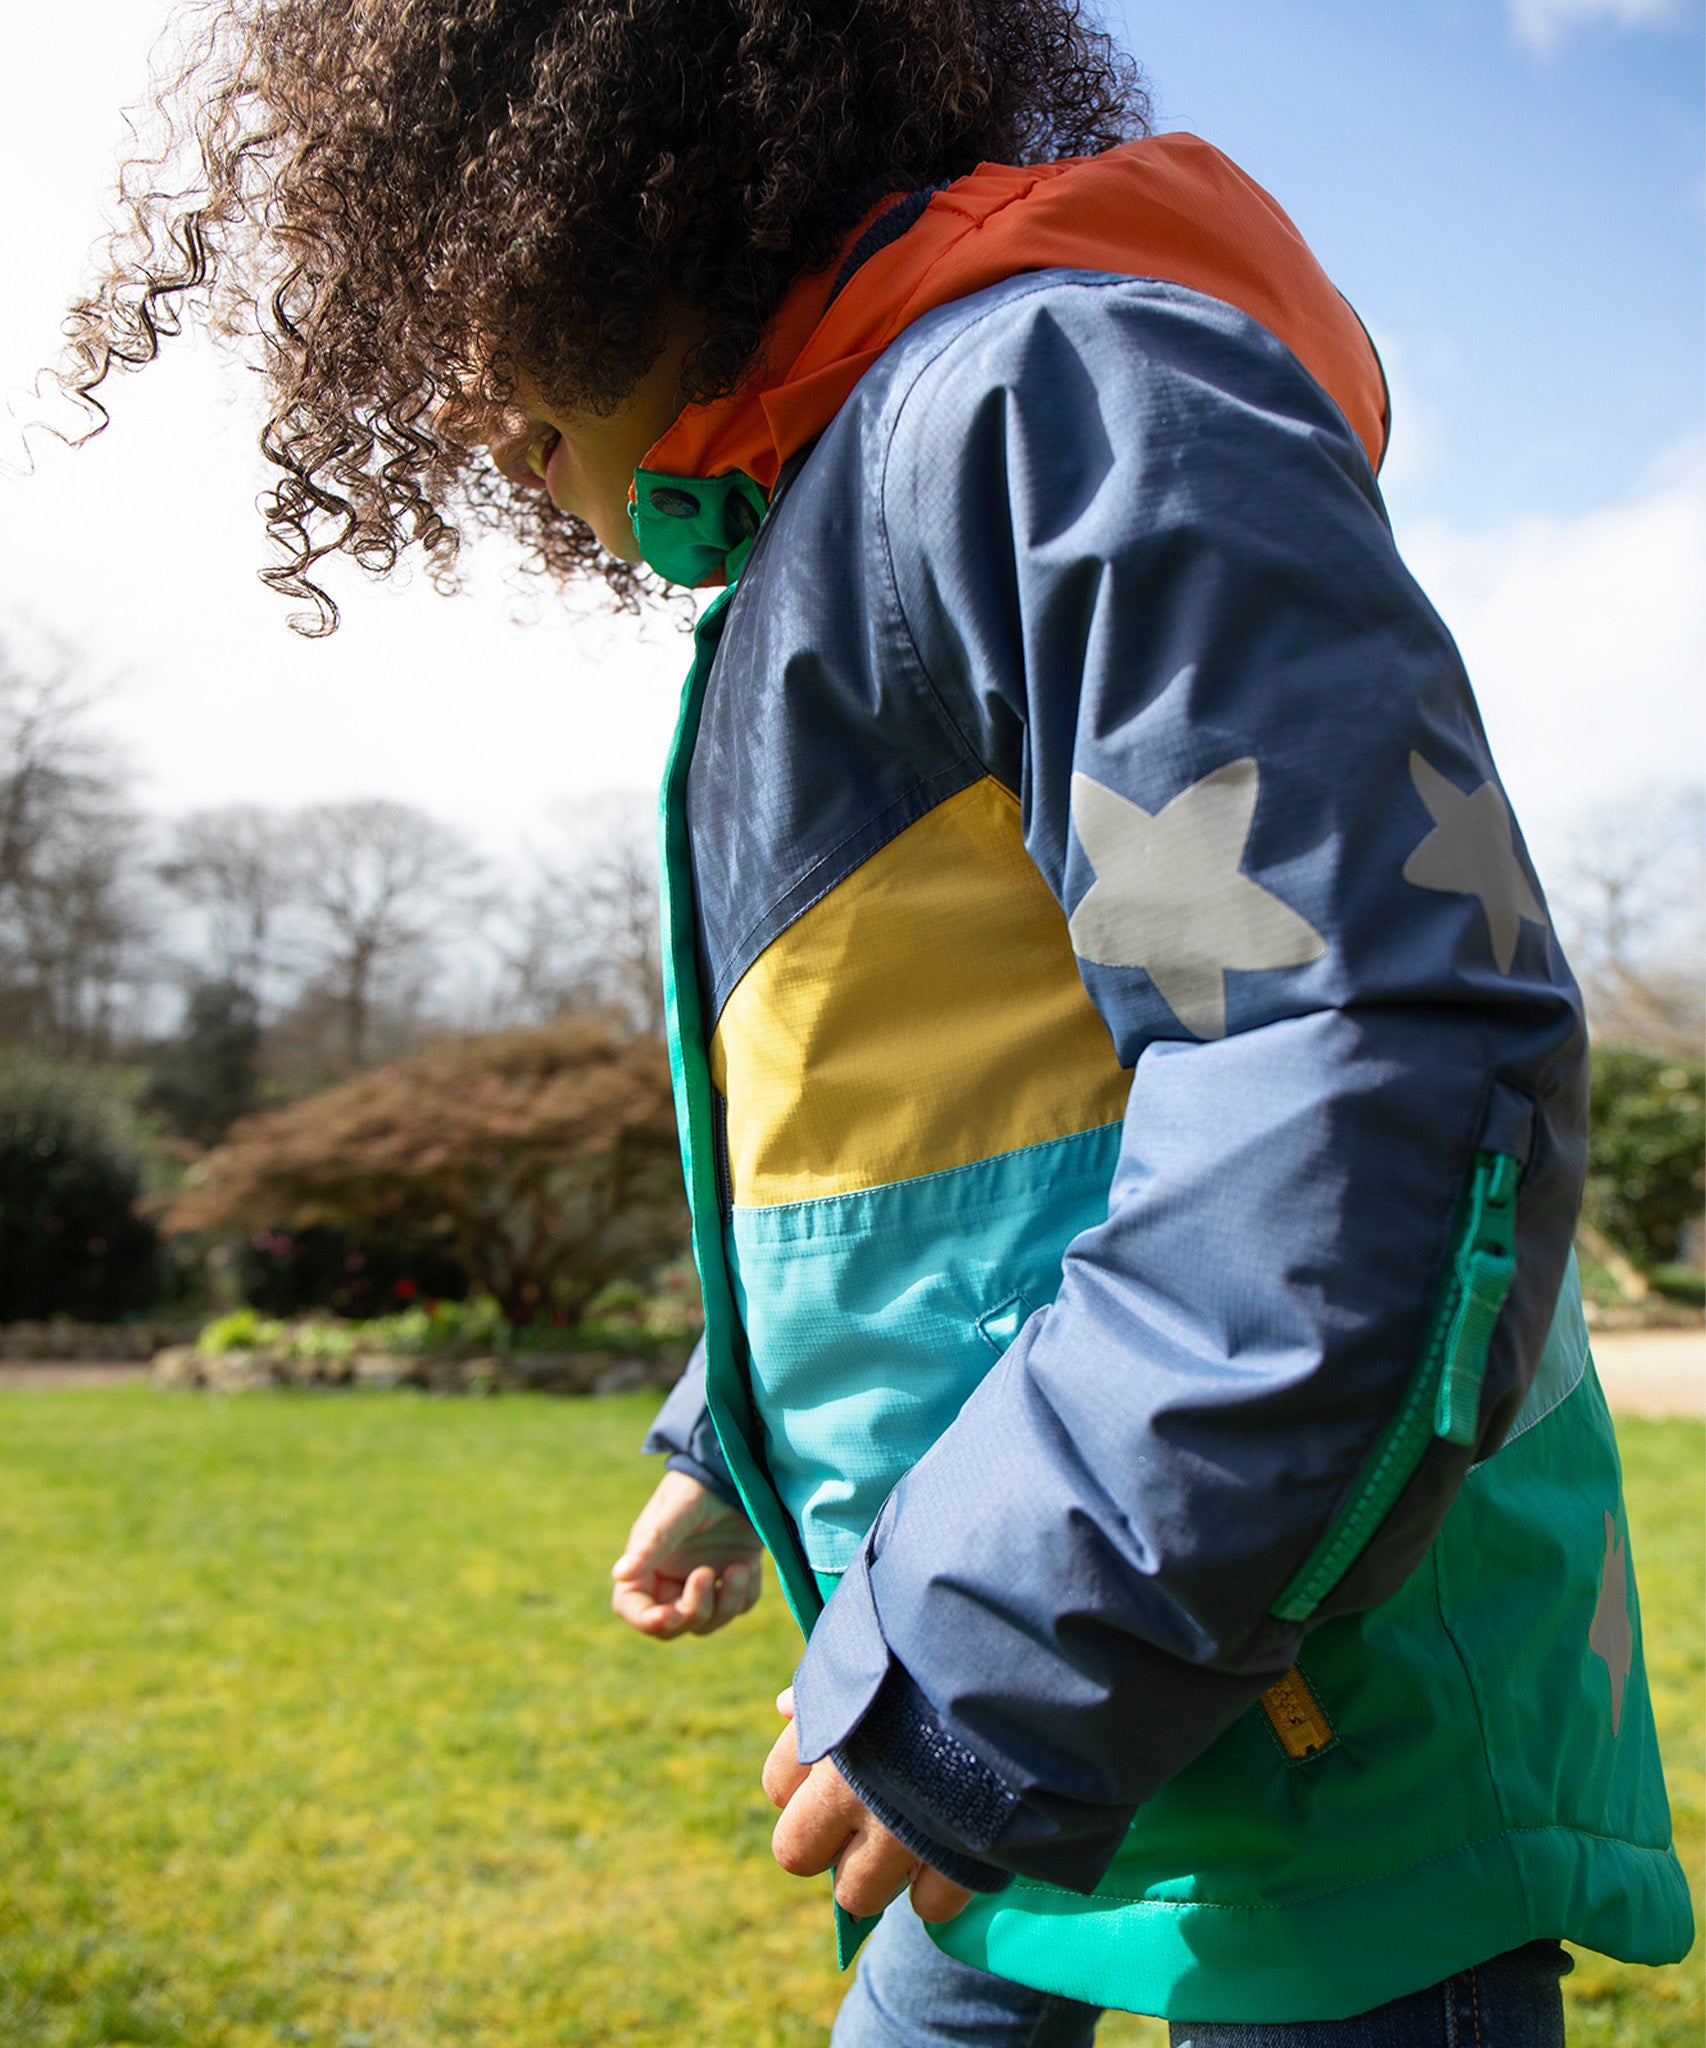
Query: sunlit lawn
(313, 1728)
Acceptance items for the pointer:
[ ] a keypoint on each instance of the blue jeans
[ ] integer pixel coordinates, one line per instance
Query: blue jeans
(909, 1995)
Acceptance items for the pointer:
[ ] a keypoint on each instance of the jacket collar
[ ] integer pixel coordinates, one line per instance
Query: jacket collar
(703, 489)
(1168, 206)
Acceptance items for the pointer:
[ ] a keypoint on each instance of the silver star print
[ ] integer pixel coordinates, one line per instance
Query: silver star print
(1471, 852)
(1168, 895)
(1609, 1634)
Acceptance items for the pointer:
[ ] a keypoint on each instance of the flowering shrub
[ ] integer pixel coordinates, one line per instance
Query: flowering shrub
(626, 1320)
(243, 1330)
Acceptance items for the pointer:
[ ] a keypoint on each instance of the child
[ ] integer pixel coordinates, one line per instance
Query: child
(1131, 1096)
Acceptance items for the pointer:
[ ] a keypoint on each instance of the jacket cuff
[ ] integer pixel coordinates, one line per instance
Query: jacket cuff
(713, 1481)
(842, 1670)
(952, 1863)
(682, 1415)
(910, 1769)
(683, 1428)
(847, 1665)
(854, 1700)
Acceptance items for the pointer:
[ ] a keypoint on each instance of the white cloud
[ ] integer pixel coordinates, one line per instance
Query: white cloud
(1585, 639)
(1543, 23)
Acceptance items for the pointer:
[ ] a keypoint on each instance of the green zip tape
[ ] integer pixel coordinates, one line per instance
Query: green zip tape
(1444, 1395)
(727, 1393)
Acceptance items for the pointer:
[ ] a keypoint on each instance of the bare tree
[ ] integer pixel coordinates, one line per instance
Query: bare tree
(239, 865)
(331, 931)
(584, 932)
(544, 964)
(620, 895)
(383, 885)
(74, 916)
(1631, 899)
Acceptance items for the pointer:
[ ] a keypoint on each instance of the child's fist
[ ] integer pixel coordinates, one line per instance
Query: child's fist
(826, 1825)
(692, 1563)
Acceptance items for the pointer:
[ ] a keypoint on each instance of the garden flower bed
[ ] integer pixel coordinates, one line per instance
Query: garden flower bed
(446, 1347)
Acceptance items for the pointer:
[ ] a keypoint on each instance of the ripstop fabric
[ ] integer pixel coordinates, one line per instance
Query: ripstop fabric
(1133, 1105)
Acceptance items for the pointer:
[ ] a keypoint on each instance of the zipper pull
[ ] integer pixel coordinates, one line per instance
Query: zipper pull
(1485, 1266)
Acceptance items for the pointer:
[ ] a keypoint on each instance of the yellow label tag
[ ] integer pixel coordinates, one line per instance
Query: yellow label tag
(1295, 1715)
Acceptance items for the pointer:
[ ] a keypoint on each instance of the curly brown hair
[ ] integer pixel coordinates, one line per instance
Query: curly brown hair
(370, 194)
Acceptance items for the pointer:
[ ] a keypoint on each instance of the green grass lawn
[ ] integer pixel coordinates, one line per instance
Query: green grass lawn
(314, 1728)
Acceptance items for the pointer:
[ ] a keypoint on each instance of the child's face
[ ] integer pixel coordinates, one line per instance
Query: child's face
(585, 461)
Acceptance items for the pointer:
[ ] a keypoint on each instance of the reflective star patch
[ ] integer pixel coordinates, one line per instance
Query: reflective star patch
(1609, 1634)
(1168, 895)
(1471, 852)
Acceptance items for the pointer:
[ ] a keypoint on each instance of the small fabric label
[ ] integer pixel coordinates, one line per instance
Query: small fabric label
(1296, 1717)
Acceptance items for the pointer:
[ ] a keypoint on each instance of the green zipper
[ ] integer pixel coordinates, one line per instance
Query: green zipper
(727, 1391)
(1486, 1266)
(1444, 1395)
(687, 528)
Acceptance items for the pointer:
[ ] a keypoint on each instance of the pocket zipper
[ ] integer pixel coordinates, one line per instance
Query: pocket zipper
(1444, 1395)
(1483, 1269)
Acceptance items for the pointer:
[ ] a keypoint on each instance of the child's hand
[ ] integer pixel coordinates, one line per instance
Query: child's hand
(692, 1563)
(824, 1823)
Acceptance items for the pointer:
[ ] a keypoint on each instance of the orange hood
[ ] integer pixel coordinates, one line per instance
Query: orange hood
(1168, 206)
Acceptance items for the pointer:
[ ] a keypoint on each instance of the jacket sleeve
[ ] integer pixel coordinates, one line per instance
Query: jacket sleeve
(682, 1429)
(1143, 565)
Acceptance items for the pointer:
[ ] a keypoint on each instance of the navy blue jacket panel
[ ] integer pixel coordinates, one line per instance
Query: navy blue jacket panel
(1105, 541)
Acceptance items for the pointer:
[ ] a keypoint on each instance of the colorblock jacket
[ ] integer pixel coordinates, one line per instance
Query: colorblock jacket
(1133, 1108)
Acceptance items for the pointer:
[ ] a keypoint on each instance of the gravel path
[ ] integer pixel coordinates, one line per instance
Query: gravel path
(1653, 1372)
(44, 1376)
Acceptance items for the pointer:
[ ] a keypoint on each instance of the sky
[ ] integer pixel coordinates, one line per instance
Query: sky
(1509, 191)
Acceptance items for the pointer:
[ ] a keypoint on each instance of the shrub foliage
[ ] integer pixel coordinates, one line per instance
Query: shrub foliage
(71, 1242)
(207, 1076)
(287, 1273)
(1645, 1182)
